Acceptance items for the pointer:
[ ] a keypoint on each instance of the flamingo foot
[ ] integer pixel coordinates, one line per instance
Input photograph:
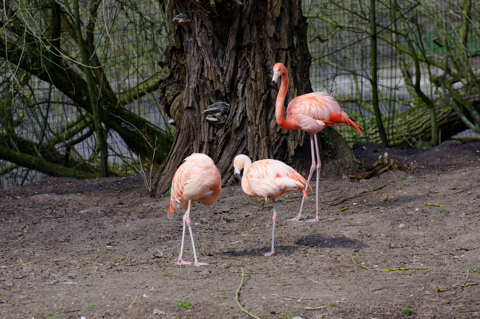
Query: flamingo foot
(295, 219)
(200, 264)
(269, 254)
(182, 262)
(314, 220)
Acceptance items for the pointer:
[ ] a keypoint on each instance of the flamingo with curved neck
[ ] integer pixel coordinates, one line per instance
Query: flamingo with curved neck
(269, 179)
(311, 113)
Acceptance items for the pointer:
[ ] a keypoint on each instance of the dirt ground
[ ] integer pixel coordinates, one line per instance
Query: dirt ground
(385, 246)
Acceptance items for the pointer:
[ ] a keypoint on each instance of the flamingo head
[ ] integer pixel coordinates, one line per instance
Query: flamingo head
(278, 70)
(241, 162)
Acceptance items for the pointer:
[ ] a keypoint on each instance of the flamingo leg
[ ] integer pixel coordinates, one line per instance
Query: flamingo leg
(319, 166)
(185, 217)
(274, 219)
(312, 169)
(189, 224)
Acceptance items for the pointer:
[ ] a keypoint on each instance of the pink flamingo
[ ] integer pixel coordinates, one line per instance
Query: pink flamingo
(310, 113)
(269, 179)
(196, 179)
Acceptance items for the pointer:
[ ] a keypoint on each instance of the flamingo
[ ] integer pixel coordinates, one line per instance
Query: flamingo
(196, 179)
(269, 179)
(310, 113)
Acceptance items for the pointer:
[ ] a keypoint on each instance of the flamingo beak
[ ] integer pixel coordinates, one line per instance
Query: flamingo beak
(238, 176)
(276, 74)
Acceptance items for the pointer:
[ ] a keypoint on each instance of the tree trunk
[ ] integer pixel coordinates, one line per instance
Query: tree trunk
(226, 53)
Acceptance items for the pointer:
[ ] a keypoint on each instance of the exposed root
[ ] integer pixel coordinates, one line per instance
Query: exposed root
(238, 293)
(462, 285)
(376, 269)
(454, 286)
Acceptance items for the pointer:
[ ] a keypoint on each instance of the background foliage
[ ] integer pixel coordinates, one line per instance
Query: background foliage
(427, 58)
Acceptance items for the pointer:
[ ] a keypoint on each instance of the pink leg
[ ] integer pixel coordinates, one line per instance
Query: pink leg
(193, 245)
(274, 218)
(180, 260)
(319, 165)
(188, 222)
(312, 168)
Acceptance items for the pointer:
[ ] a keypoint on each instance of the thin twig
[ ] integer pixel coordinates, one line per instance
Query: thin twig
(12, 196)
(331, 203)
(377, 269)
(238, 293)
(133, 300)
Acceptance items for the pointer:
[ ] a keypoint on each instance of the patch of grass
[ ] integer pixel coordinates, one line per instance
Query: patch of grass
(444, 211)
(402, 178)
(71, 316)
(224, 297)
(286, 315)
(332, 304)
(185, 304)
(50, 315)
(407, 310)
(93, 306)
(474, 271)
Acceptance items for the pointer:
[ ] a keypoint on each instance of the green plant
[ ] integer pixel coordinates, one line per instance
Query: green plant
(185, 304)
(407, 310)
(50, 315)
(224, 297)
(474, 271)
(286, 315)
(93, 306)
(332, 304)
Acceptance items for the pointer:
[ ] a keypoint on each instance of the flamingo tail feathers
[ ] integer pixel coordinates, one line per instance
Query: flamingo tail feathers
(170, 209)
(355, 126)
(310, 187)
(305, 192)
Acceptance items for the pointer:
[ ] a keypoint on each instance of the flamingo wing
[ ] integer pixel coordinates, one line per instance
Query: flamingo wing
(272, 178)
(196, 179)
(316, 110)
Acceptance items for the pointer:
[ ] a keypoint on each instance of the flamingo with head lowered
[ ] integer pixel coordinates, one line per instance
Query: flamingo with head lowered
(311, 113)
(269, 179)
(196, 179)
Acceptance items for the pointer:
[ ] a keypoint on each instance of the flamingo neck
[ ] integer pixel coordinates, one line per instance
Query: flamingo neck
(246, 165)
(282, 94)
(245, 186)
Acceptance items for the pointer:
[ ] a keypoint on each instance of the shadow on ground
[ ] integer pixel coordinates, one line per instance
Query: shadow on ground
(249, 252)
(318, 240)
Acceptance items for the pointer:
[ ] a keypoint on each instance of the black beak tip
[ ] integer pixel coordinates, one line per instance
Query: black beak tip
(273, 84)
(238, 176)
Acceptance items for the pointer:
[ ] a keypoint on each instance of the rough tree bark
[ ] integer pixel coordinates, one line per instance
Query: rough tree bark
(225, 51)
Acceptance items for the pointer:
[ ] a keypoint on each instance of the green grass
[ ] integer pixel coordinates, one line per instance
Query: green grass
(286, 315)
(332, 304)
(185, 304)
(474, 271)
(407, 310)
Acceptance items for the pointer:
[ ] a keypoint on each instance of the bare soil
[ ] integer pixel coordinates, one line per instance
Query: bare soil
(103, 249)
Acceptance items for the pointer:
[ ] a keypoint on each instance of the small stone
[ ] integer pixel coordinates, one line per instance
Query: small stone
(158, 312)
